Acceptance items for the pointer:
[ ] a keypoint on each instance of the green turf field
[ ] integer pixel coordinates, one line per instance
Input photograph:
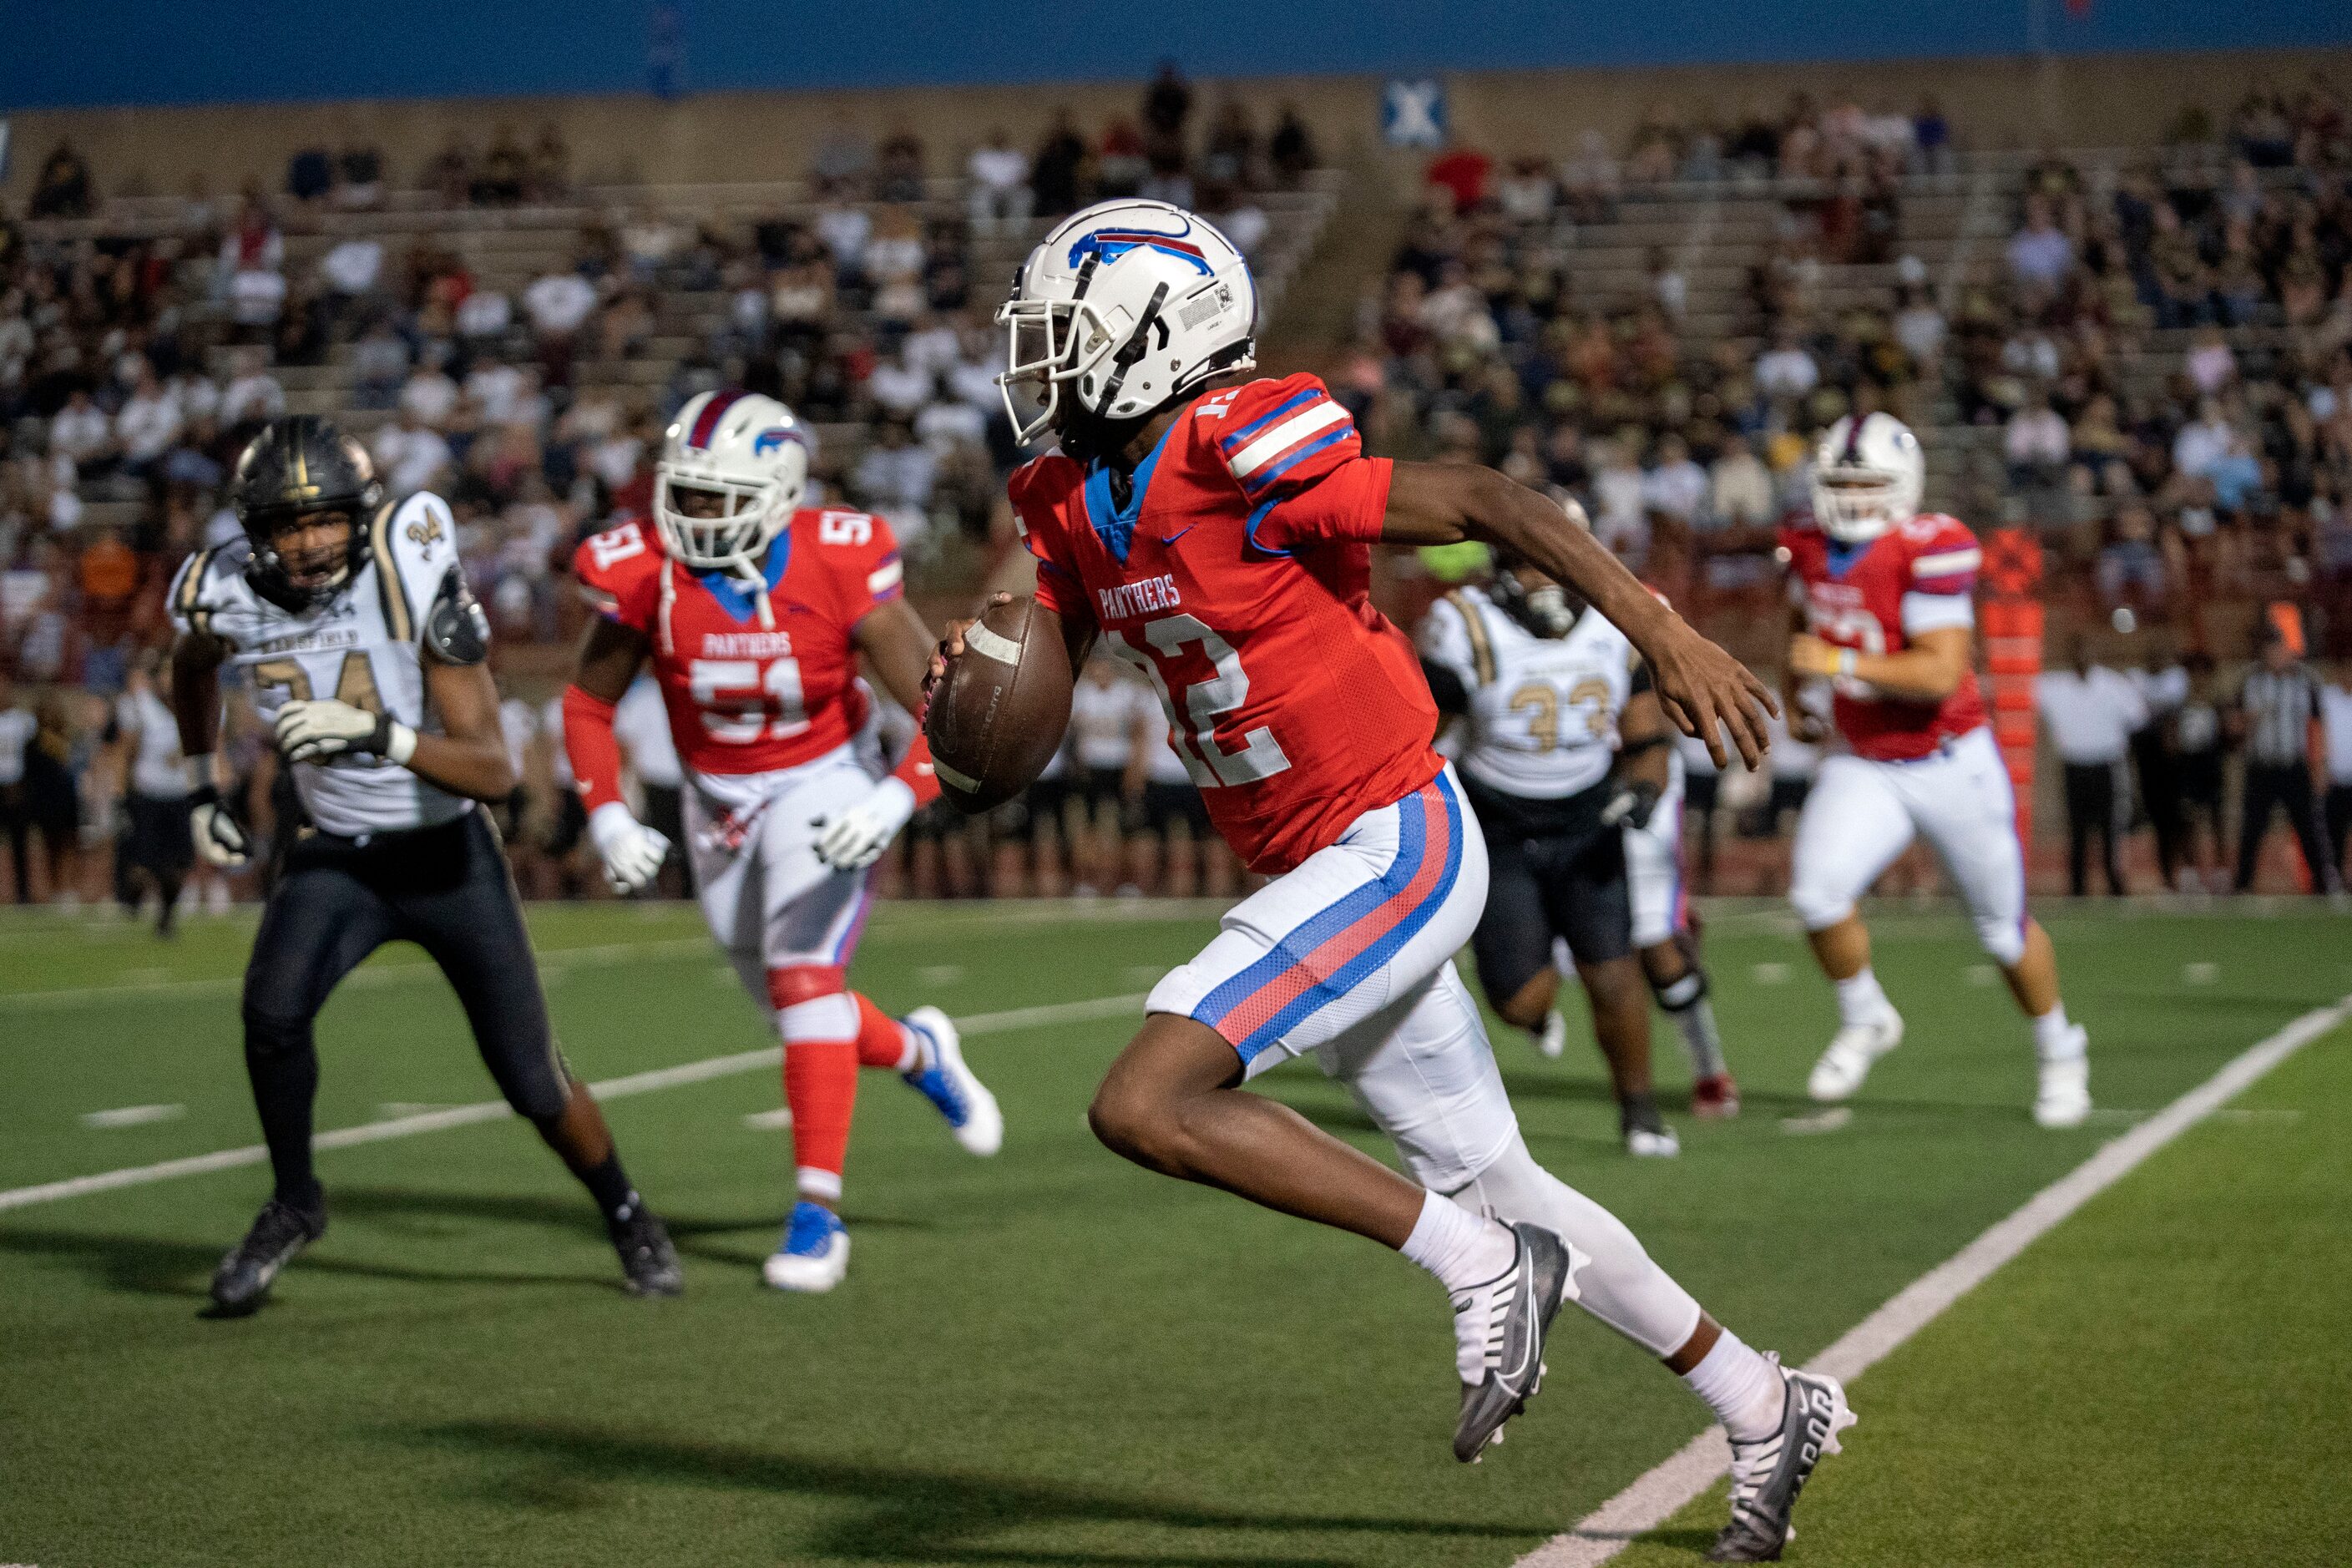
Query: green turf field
(1051, 1358)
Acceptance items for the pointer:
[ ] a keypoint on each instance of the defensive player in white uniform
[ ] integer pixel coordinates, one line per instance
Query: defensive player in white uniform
(1884, 612)
(352, 624)
(1565, 749)
(1667, 940)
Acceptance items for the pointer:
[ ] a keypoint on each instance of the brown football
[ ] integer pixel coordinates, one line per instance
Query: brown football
(996, 716)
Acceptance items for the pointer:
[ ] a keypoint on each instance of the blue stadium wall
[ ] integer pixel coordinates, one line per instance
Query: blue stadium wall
(124, 52)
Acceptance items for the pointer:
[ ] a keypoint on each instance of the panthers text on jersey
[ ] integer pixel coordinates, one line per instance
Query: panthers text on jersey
(363, 647)
(1232, 570)
(1874, 598)
(744, 698)
(1542, 721)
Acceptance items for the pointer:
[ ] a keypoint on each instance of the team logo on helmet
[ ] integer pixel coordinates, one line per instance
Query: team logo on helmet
(1110, 244)
(770, 439)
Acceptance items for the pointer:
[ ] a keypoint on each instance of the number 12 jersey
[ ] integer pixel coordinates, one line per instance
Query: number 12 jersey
(1233, 569)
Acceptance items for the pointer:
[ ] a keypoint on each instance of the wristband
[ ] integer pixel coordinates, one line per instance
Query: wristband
(1847, 662)
(400, 743)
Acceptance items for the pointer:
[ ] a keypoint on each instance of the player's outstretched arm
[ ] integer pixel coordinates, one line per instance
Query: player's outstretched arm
(194, 678)
(1704, 688)
(898, 645)
(1929, 670)
(610, 657)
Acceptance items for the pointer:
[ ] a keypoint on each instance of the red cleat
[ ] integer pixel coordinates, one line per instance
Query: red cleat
(1714, 1096)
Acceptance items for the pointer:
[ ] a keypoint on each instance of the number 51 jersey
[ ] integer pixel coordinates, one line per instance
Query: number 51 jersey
(363, 647)
(1232, 568)
(747, 692)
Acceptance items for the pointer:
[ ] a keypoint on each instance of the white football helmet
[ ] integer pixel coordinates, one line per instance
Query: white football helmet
(1125, 305)
(1867, 477)
(749, 451)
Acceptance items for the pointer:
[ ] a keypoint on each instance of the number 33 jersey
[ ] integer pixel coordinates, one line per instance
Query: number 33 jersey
(1874, 598)
(1542, 723)
(1232, 568)
(363, 647)
(748, 693)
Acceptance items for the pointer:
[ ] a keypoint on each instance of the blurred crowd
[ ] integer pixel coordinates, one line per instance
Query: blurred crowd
(2151, 366)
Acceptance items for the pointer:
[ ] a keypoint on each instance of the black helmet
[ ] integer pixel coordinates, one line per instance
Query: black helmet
(295, 467)
(1548, 612)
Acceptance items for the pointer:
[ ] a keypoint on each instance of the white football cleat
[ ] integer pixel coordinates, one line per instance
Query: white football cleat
(813, 1255)
(1652, 1144)
(1851, 1052)
(1552, 1038)
(2064, 1097)
(952, 1086)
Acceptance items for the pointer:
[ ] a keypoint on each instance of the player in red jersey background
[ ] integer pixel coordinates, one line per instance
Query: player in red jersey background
(1215, 531)
(754, 610)
(1884, 611)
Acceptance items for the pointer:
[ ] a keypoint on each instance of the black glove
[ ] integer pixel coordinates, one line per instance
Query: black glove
(1632, 805)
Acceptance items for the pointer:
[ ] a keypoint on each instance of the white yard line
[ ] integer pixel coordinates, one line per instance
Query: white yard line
(495, 1110)
(1663, 1492)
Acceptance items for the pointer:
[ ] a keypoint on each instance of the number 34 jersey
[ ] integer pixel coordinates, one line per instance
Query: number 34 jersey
(748, 693)
(363, 647)
(1231, 567)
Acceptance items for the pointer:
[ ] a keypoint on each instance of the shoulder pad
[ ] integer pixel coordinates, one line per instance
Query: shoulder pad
(412, 543)
(456, 629)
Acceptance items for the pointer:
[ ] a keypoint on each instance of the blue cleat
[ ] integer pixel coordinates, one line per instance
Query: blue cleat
(945, 1081)
(814, 1253)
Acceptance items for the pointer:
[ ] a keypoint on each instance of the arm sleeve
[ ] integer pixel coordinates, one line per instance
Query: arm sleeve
(913, 771)
(1058, 586)
(868, 570)
(187, 600)
(591, 746)
(1293, 451)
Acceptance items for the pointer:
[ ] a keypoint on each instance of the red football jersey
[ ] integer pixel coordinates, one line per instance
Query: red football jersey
(745, 697)
(1874, 598)
(1234, 571)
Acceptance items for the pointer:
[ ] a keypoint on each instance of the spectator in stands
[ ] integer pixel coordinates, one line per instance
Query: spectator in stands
(1786, 371)
(1739, 487)
(1167, 104)
(380, 363)
(894, 480)
(558, 303)
(410, 456)
(1461, 172)
(505, 174)
(2039, 255)
(1229, 153)
(997, 181)
(63, 188)
(79, 433)
(430, 394)
(1674, 486)
(2131, 568)
(2091, 713)
(550, 165)
(450, 175)
(253, 260)
(309, 176)
(359, 177)
(844, 160)
(1122, 160)
(148, 424)
(1054, 173)
(2037, 445)
(484, 315)
(1291, 149)
(899, 172)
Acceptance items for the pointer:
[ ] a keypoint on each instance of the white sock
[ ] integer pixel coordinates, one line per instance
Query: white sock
(1458, 1246)
(915, 1056)
(1743, 1389)
(2054, 1039)
(1860, 999)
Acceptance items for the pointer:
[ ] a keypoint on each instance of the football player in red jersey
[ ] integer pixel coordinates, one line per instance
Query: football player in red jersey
(1214, 532)
(754, 610)
(1884, 612)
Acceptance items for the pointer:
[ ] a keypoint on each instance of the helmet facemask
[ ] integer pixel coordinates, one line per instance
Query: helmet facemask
(1546, 610)
(710, 522)
(313, 576)
(1855, 504)
(1047, 343)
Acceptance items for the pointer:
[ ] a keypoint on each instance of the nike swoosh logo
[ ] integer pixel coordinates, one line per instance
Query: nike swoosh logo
(1180, 533)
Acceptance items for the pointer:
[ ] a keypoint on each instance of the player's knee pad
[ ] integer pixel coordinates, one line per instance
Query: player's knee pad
(812, 1002)
(1681, 995)
(2003, 937)
(1619, 1283)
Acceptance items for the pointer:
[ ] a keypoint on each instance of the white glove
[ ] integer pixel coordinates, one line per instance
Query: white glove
(854, 837)
(314, 731)
(633, 852)
(220, 837)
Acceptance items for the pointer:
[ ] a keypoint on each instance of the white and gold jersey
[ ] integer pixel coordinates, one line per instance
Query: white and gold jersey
(1542, 721)
(363, 647)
